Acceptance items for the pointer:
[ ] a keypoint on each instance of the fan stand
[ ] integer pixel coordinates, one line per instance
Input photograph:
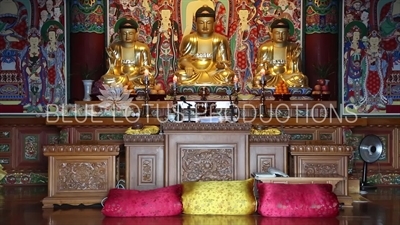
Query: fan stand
(364, 185)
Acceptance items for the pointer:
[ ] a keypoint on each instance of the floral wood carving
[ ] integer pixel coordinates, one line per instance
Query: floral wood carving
(143, 138)
(147, 170)
(82, 176)
(207, 164)
(265, 164)
(312, 169)
(270, 138)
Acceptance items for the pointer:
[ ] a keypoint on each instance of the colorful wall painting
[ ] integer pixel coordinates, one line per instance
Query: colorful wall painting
(371, 57)
(32, 54)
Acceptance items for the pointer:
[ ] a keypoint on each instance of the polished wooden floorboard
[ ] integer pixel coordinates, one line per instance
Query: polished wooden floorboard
(22, 206)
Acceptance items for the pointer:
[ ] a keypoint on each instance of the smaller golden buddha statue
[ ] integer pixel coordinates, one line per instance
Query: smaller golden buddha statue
(279, 59)
(129, 60)
(205, 56)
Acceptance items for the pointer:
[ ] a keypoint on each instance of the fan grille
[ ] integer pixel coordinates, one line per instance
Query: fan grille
(370, 148)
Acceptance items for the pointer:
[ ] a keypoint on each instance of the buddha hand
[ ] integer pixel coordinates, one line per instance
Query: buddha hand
(220, 65)
(189, 70)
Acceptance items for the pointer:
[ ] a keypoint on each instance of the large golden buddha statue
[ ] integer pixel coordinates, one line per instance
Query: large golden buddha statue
(205, 56)
(279, 59)
(129, 59)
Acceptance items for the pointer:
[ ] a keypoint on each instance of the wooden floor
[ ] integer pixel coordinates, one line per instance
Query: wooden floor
(22, 206)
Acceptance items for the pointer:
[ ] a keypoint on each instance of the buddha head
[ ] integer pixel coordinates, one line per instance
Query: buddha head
(128, 30)
(280, 30)
(205, 18)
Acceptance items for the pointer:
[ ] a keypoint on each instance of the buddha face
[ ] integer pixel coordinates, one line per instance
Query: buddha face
(127, 34)
(280, 34)
(205, 26)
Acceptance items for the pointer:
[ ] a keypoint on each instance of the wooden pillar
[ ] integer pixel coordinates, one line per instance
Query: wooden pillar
(87, 43)
(321, 41)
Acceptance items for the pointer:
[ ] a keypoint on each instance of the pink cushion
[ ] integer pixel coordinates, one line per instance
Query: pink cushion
(143, 220)
(297, 200)
(133, 203)
(296, 221)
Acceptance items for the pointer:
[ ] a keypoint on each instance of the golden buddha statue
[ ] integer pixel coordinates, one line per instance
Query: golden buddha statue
(205, 56)
(129, 60)
(279, 59)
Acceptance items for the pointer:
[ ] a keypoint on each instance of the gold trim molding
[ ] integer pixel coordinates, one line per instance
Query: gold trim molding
(324, 149)
(80, 149)
(143, 138)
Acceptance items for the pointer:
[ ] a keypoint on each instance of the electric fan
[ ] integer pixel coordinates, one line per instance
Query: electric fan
(370, 150)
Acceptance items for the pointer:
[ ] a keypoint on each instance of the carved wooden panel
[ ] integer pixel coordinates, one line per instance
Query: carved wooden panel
(207, 163)
(97, 134)
(329, 135)
(81, 175)
(265, 155)
(204, 139)
(301, 135)
(144, 167)
(326, 135)
(28, 153)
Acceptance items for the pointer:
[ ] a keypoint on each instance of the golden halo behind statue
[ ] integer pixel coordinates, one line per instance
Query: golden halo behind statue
(47, 25)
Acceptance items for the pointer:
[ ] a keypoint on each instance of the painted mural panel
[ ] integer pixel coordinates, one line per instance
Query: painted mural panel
(87, 16)
(163, 23)
(32, 55)
(371, 57)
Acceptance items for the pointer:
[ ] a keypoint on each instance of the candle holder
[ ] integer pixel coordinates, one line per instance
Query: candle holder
(231, 105)
(236, 90)
(262, 98)
(174, 92)
(176, 108)
(146, 107)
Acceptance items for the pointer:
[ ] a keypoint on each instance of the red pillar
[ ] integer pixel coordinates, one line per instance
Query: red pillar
(322, 42)
(86, 45)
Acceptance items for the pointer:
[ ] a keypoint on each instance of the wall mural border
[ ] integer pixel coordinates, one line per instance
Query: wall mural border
(164, 36)
(371, 57)
(33, 45)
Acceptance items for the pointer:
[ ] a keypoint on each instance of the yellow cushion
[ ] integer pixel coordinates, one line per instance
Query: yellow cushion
(219, 219)
(219, 197)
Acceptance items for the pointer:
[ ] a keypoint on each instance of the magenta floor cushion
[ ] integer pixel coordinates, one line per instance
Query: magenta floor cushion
(164, 201)
(297, 200)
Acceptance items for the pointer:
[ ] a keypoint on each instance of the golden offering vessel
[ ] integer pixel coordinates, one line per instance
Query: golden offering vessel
(279, 59)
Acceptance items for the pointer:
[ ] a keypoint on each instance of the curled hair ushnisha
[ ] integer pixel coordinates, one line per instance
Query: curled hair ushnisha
(205, 11)
(280, 23)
